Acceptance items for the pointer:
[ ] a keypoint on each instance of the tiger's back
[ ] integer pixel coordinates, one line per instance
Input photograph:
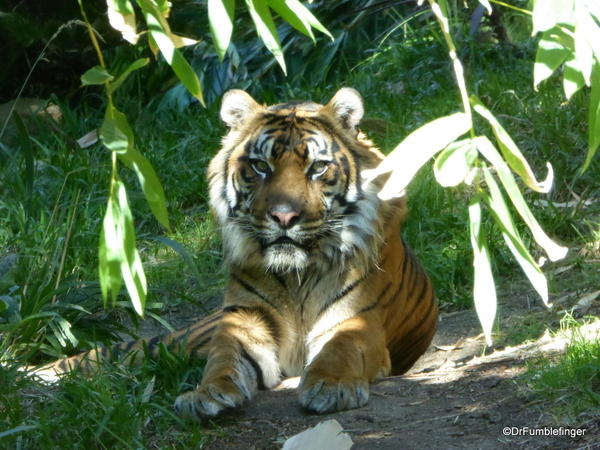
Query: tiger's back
(321, 284)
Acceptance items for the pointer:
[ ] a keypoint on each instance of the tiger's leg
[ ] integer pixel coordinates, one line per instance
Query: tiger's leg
(195, 341)
(242, 359)
(338, 376)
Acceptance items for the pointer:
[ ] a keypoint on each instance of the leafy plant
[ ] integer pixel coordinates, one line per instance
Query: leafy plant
(119, 258)
(460, 160)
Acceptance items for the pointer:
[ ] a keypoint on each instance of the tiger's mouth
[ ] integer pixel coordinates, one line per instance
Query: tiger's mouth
(284, 241)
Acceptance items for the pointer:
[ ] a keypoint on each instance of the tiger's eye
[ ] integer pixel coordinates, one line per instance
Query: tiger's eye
(319, 167)
(260, 166)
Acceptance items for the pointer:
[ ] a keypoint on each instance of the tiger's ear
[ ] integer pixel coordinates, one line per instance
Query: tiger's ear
(236, 106)
(347, 106)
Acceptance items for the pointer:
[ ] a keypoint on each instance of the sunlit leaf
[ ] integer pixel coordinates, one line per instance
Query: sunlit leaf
(484, 291)
(115, 132)
(503, 218)
(151, 186)
(548, 13)
(594, 117)
(109, 256)
(573, 78)
(96, 75)
(167, 42)
(455, 162)
(584, 48)
(117, 249)
(550, 55)
(133, 66)
(121, 16)
(265, 27)
(487, 149)
(220, 16)
(283, 8)
(414, 151)
(511, 152)
(307, 16)
(487, 5)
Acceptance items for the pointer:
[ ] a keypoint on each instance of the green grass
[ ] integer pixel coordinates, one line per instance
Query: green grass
(120, 407)
(569, 385)
(50, 217)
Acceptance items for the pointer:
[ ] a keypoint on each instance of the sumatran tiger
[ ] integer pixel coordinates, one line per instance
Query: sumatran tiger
(321, 283)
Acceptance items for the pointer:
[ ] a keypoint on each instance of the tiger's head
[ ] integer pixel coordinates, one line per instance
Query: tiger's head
(286, 187)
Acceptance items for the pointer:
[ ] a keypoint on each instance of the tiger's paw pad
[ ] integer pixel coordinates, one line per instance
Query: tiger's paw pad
(327, 396)
(210, 400)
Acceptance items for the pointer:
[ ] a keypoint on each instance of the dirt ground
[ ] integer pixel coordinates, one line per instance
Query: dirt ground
(454, 398)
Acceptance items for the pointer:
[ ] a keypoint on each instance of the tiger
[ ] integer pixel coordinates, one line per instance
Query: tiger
(321, 284)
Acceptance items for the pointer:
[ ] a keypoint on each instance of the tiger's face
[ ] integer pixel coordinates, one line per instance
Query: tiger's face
(286, 186)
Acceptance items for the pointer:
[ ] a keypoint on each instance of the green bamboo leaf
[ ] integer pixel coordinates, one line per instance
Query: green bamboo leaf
(283, 8)
(548, 13)
(511, 152)
(584, 50)
(594, 117)
(484, 291)
(307, 16)
(115, 132)
(121, 16)
(404, 161)
(265, 27)
(512, 238)
(550, 54)
(151, 186)
(573, 78)
(161, 35)
(119, 259)
(131, 263)
(132, 67)
(220, 17)
(109, 256)
(96, 75)
(455, 162)
(587, 26)
(487, 149)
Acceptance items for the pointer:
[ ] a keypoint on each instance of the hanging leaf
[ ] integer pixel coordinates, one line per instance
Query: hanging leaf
(133, 66)
(167, 42)
(96, 75)
(151, 186)
(511, 152)
(504, 220)
(121, 16)
(265, 27)
(484, 291)
(118, 253)
(455, 162)
(220, 17)
(487, 149)
(115, 132)
(548, 13)
(594, 117)
(550, 55)
(414, 151)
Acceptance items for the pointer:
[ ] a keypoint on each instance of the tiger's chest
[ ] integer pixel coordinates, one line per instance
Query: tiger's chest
(311, 311)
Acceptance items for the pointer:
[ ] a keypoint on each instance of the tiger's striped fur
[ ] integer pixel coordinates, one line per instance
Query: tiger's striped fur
(321, 284)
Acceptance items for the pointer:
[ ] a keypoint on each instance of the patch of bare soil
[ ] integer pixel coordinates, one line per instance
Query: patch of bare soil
(454, 398)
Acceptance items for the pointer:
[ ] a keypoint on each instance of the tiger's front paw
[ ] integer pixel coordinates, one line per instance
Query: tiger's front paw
(211, 399)
(327, 395)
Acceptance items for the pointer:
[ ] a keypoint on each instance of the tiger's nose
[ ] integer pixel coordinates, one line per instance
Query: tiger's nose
(285, 215)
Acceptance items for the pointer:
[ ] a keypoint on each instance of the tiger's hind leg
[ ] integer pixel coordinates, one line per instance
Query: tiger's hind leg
(338, 376)
(194, 341)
